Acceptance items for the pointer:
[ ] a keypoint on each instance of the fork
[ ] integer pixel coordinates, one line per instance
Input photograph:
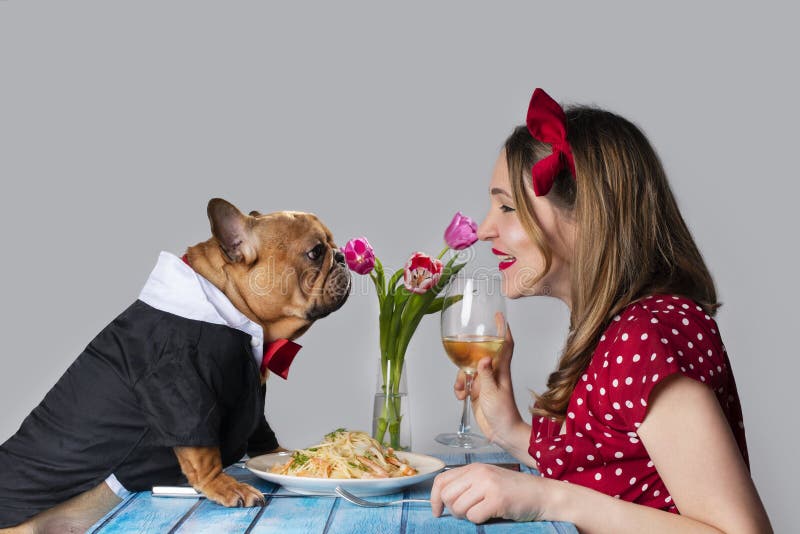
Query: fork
(346, 495)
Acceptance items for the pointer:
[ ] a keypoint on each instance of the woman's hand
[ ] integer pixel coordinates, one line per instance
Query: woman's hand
(480, 492)
(493, 398)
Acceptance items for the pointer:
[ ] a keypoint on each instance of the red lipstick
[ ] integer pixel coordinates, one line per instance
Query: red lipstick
(505, 264)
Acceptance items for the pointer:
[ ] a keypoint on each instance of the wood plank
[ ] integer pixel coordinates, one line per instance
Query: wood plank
(418, 519)
(142, 513)
(212, 518)
(299, 516)
(564, 528)
(453, 458)
(351, 518)
(493, 457)
(109, 517)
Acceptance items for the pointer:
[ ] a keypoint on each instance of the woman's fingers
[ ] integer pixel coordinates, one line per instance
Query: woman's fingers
(439, 483)
(464, 492)
(463, 504)
(503, 361)
(448, 486)
(480, 492)
(460, 387)
(481, 511)
(486, 376)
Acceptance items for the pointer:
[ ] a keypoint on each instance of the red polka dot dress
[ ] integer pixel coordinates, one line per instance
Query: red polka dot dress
(651, 339)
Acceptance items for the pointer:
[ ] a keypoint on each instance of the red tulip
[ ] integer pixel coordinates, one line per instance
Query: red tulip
(421, 273)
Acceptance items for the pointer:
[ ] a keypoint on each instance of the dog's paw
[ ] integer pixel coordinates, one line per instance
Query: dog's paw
(225, 490)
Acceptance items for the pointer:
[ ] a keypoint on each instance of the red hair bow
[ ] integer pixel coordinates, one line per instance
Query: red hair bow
(547, 123)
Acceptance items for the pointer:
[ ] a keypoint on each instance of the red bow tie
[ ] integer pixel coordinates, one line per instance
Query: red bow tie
(278, 354)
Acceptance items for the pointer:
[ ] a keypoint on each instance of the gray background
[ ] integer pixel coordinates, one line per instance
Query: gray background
(118, 121)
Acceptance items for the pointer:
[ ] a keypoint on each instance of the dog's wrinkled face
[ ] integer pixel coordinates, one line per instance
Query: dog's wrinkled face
(283, 264)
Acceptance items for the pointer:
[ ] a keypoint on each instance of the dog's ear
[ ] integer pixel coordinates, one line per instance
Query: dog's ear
(233, 231)
(255, 213)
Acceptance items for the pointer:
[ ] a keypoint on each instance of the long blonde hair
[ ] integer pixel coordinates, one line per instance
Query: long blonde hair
(631, 238)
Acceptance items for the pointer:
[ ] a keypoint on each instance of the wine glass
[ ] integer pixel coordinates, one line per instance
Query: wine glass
(473, 327)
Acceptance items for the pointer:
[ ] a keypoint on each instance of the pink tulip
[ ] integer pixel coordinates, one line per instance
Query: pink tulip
(421, 273)
(359, 255)
(461, 233)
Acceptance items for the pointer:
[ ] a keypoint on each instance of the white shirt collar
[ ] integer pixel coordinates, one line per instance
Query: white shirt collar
(175, 288)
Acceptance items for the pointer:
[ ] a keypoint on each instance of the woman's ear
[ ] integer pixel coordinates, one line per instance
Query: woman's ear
(233, 231)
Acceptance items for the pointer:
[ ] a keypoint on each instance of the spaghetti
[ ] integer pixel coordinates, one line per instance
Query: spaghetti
(345, 454)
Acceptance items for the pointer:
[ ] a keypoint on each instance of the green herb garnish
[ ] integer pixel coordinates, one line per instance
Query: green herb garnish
(333, 435)
(298, 459)
(357, 466)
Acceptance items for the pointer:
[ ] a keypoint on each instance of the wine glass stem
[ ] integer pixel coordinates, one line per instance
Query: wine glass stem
(465, 426)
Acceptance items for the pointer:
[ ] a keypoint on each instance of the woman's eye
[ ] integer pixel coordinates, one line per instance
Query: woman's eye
(506, 209)
(316, 253)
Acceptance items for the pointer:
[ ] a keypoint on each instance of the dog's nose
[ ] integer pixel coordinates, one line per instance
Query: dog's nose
(338, 256)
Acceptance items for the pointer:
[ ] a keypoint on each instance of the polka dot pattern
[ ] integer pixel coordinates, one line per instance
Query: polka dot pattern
(660, 336)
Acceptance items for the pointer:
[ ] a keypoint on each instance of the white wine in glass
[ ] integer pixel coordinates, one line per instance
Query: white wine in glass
(473, 327)
(467, 350)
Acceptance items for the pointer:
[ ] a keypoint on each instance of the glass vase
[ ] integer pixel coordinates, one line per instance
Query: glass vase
(391, 424)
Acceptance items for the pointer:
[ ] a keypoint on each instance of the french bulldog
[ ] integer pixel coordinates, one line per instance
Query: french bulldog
(173, 387)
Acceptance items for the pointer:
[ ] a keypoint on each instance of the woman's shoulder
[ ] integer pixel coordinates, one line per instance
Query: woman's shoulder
(648, 341)
(664, 316)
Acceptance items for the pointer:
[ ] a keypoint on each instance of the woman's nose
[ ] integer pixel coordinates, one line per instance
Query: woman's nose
(486, 230)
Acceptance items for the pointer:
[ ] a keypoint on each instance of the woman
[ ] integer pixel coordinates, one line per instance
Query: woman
(642, 415)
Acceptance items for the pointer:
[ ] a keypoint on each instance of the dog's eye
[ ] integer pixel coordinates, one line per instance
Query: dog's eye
(316, 253)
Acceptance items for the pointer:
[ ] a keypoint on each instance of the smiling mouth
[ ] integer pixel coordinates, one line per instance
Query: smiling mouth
(506, 260)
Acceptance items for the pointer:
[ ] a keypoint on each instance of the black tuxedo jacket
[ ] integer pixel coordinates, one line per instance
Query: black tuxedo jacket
(151, 380)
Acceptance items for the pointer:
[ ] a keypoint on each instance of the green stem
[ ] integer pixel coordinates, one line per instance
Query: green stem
(400, 314)
(390, 418)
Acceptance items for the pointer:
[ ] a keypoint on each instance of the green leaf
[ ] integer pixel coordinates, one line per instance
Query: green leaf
(385, 321)
(401, 299)
(412, 315)
(381, 283)
(447, 273)
(393, 281)
(377, 285)
(439, 303)
(436, 306)
(386, 314)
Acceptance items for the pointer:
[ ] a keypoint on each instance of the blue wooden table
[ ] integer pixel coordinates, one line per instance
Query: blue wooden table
(141, 512)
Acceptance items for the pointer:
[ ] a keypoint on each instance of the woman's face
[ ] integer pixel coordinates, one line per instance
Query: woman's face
(520, 259)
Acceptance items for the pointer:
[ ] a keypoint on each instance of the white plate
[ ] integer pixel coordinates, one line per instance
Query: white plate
(427, 467)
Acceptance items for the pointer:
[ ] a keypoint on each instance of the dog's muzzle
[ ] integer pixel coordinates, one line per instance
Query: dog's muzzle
(335, 292)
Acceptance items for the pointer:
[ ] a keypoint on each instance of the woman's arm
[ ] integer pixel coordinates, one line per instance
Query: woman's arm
(693, 449)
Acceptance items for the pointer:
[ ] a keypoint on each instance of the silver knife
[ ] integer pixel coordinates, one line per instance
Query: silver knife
(191, 493)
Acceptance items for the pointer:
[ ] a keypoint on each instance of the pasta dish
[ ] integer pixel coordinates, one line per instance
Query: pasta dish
(345, 454)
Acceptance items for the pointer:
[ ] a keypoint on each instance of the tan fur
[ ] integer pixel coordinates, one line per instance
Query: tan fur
(203, 469)
(73, 516)
(272, 281)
